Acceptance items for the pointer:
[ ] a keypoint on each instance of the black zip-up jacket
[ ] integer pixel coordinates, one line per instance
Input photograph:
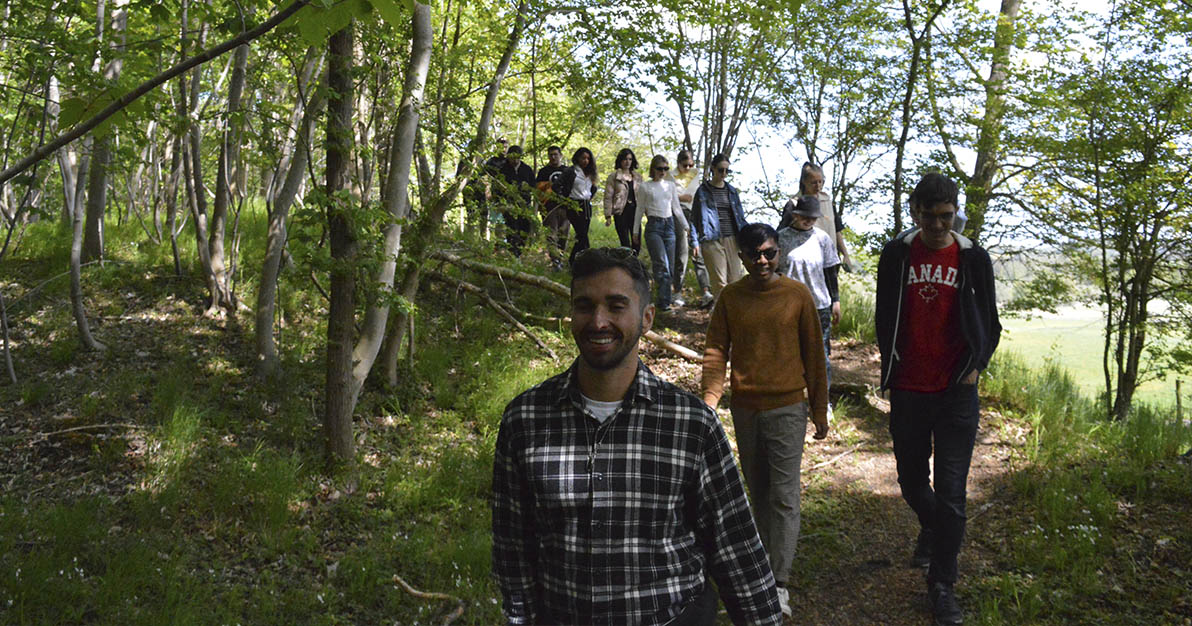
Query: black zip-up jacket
(976, 301)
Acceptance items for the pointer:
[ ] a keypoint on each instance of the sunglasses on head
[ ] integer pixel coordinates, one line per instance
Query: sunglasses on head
(769, 253)
(619, 253)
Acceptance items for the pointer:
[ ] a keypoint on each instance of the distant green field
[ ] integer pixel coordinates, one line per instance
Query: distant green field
(1073, 339)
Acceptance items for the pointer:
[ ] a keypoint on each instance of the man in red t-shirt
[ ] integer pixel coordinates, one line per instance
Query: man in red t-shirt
(937, 327)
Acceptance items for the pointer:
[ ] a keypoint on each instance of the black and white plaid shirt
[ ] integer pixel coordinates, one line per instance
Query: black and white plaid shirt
(615, 523)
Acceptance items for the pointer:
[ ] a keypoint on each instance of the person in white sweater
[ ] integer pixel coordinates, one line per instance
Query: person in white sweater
(658, 202)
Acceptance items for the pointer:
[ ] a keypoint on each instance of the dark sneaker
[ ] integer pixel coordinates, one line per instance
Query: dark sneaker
(944, 606)
(922, 555)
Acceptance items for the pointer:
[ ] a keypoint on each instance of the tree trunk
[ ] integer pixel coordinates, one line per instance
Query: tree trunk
(97, 196)
(172, 200)
(431, 218)
(229, 157)
(980, 187)
(337, 420)
(917, 42)
(268, 363)
(76, 285)
(102, 155)
(396, 200)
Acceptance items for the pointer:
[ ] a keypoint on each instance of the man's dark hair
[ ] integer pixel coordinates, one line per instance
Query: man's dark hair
(719, 158)
(596, 260)
(933, 189)
(549, 148)
(684, 155)
(754, 235)
(514, 149)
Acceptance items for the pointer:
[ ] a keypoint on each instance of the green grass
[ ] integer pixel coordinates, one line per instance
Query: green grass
(1080, 479)
(856, 309)
(215, 508)
(1074, 340)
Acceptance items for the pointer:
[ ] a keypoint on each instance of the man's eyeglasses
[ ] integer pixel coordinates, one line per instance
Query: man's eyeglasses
(944, 218)
(724, 170)
(769, 253)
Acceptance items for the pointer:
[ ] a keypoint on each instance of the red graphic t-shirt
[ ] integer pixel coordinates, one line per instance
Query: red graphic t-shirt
(929, 343)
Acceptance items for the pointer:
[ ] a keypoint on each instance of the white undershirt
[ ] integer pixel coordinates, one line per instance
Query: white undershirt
(600, 410)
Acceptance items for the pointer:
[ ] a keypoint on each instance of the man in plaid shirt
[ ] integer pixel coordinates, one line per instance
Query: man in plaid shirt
(615, 493)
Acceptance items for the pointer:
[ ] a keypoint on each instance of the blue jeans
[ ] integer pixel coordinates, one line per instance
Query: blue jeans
(660, 241)
(949, 420)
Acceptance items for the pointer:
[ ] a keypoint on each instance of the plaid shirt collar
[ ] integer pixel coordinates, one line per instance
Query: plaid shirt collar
(645, 386)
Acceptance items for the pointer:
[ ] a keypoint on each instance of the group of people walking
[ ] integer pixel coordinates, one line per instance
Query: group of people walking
(616, 495)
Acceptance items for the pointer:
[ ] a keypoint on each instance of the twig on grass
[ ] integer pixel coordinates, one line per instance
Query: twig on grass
(835, 458)
(433, 595)
(88, 427)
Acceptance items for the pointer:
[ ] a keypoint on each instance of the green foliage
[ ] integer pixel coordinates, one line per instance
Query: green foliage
(1082, 475)
(1045, 291)
(856, 308)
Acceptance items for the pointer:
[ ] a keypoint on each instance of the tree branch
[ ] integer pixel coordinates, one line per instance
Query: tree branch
(123, 101)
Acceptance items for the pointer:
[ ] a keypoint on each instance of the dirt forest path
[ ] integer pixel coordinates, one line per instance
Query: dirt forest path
(857, 533)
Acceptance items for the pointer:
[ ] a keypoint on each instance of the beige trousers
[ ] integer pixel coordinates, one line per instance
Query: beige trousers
(723, 262)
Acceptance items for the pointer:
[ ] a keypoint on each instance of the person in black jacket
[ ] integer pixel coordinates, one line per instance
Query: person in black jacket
(513, 186)
(554, 214)
(937, 327)
(576, 187)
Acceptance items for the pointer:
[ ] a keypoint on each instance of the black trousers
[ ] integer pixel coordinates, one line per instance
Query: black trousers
(947, 422)
(623, 222)
(581, 221)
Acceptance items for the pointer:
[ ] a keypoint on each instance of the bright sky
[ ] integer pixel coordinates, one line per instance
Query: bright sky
(780, 169)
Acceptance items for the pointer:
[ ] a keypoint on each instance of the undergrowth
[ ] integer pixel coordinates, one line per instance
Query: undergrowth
(192, 493)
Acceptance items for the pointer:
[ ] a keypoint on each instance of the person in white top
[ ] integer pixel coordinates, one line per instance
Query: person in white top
(687, 178)
(811, 183)
(807, 254)
(658, 201)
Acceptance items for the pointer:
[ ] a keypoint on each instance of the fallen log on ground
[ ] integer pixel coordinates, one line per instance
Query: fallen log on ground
(493, 304)
(557, 288)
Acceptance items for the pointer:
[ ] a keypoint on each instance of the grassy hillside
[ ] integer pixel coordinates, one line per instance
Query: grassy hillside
(160, 482)
(1072, 338)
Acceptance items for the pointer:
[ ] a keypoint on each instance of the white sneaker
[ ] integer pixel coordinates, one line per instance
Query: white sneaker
(784, 601)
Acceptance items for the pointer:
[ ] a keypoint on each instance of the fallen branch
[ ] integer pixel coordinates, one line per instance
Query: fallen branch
(89, 427)
(556, 288)
(433, 595)
(503, 272)
(683, 351)
(835, 458)
(493, 304)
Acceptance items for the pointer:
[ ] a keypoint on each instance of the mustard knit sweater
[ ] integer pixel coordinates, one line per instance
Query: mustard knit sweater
(771, 333)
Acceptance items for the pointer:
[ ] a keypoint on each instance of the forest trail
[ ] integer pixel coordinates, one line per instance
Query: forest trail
(857, 533)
